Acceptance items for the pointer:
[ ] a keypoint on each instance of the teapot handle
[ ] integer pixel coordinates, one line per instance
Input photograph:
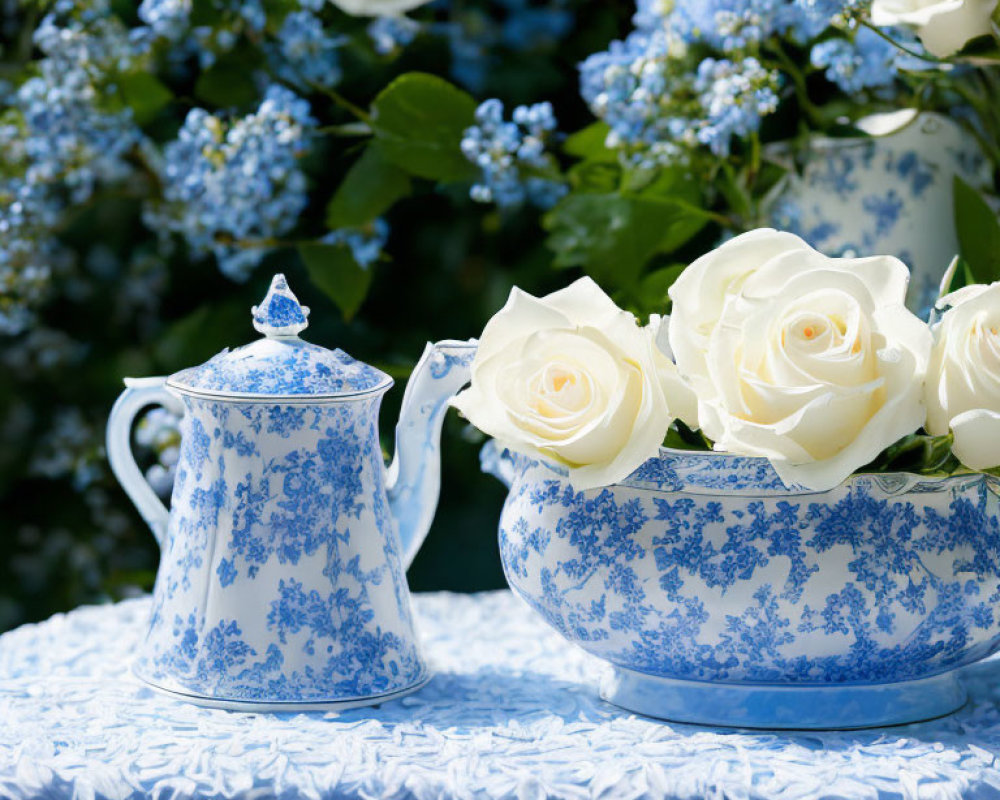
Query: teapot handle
(140, 393)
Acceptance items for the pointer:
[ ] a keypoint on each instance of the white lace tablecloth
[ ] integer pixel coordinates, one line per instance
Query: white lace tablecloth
(512, 712)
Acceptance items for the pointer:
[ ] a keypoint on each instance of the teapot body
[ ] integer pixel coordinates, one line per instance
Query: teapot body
(281, 580)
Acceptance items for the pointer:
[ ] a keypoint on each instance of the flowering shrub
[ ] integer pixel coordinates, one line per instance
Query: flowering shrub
(414, 160)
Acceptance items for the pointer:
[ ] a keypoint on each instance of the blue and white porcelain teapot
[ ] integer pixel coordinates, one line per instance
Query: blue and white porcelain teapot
(282, 576)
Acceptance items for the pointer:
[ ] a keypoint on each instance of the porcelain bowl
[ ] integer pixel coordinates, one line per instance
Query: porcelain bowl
(721, 596)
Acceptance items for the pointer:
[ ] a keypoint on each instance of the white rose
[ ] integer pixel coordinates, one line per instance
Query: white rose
(680, 396)
(812, 362)
(944, 26)
(963, 380)
(702, 290)
(570, 377)
(377, 8)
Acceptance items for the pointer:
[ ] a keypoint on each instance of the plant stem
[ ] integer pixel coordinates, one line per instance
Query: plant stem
(344, 103)
(899, 46)
(799, 81)
(349, 130)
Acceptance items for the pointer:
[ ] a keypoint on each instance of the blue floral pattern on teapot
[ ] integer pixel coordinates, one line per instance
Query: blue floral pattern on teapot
(282, 577)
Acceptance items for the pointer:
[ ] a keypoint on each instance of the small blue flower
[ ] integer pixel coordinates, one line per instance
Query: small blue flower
(366, 245)
(735, 97)
(306, 53)
(389, 34)
(866, 62)
(504, 150)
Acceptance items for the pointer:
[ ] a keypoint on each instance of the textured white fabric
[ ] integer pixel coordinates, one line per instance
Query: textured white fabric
(513, 712)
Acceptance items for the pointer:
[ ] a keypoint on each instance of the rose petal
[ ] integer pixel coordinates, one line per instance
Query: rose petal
(977, 438)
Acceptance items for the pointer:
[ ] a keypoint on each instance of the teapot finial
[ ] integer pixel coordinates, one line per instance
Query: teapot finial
(279, 313)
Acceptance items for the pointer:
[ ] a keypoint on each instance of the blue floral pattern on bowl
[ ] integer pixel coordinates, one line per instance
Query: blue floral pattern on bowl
(703, 567)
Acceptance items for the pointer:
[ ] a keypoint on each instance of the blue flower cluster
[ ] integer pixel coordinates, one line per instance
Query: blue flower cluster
(865, 62)
(166, 18)
(69, 448)
(62, 136)
(507, 153)
(734, 97)
(641, 88)
(303, 52)
(366, 245)
(656, 107)
(307, 54)
(735, 25)
(389, 34)
(28, 209)
(727, 25)
(662, 94)
(159, 432)
(71, 135)
(171, 20)
(231, 188)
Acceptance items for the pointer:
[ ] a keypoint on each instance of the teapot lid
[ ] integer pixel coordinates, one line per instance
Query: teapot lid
(280, 365)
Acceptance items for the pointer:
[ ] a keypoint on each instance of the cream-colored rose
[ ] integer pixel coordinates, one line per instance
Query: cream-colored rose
(700, 293)
(809, 361)
(963, 380)
(680, 396)
(377, 8)
(944, 26)
(570, 377)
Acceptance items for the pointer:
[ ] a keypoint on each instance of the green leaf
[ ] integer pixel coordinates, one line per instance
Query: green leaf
(277, 11)
(917, 453)
(206, 14)
(144, 94)
(653, 287)
(736, 197)
(333, 269)
(681, 437)
(600, 169)
(372, 185)
(199, 335)
(978, 233)
(983, 50)
(649, 294)
(669, 183)
(588, 143)
(595, 176)
(227, 83)
(612, 236)
(419, 120)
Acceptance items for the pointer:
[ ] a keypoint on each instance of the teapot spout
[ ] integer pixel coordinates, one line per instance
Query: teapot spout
(414, 477)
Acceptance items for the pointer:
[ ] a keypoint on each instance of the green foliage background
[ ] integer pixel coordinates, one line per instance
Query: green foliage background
(389, 147)
(453, 263)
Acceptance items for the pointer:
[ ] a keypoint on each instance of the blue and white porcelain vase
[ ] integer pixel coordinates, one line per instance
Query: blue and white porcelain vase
(890, 194)
(720, 596)
(282, 577)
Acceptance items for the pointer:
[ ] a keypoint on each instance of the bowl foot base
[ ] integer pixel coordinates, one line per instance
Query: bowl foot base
(784, 707)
